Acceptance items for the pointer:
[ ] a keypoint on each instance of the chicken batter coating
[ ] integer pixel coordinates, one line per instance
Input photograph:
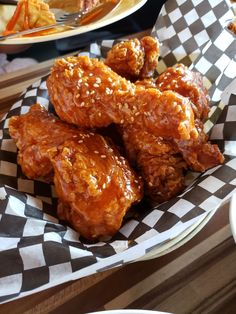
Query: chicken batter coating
(35, 133)
(188, 84)
(89, 94)
(94, 183)
(95, 186)
(158, 161)
(134, 58)
(200, 154)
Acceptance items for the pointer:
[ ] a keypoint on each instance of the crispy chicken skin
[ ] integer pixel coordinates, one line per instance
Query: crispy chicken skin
(134, 58)
(95, 185)
(162, 162)
(88, 93)
(30, 14)
(158, 161)
(200, 154)
(188, 84)
(35, 133)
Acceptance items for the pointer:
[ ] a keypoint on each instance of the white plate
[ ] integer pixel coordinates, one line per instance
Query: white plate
(129, 312)
(181, 239)
(125, 8)
(232, 215)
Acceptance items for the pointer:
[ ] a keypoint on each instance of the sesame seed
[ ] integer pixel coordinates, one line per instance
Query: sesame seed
(80, 141)
(103, 156)
(104, 185)
(96, 152)
(98, 80)
(95, 85)
(82, 104)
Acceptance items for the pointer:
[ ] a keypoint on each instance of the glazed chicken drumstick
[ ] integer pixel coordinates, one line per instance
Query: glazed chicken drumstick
(94, 183)
(89, 94)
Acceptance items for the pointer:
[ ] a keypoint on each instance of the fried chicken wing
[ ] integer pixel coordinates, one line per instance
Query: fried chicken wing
(188, 84)
(162, 162)
(200, 154)
(134, 58)
(95, 186)
(35, 133)
(94, 183)
(158, 161)
(88, 93)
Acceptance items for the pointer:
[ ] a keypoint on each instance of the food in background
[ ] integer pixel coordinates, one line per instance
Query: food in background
(29, 14)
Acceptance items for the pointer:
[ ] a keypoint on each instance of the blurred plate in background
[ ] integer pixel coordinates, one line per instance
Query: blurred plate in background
(125, 8)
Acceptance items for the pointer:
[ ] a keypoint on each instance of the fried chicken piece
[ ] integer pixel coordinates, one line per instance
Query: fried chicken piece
(188, 84)
(157, 160)
(232, 26)
(35, 133)
(88, 93)
(94, 183)
(162, 162)
(163, 175)
(95, 186)
(29, 14)
(200, 154)
(134, 58)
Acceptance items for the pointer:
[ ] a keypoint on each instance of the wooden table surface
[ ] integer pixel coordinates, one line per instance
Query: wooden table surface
(198, 277)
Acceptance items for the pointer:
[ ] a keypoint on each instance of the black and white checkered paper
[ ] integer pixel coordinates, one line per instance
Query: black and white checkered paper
(37, 251)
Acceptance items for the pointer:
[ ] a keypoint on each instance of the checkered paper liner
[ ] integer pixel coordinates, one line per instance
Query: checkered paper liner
(37, 251)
